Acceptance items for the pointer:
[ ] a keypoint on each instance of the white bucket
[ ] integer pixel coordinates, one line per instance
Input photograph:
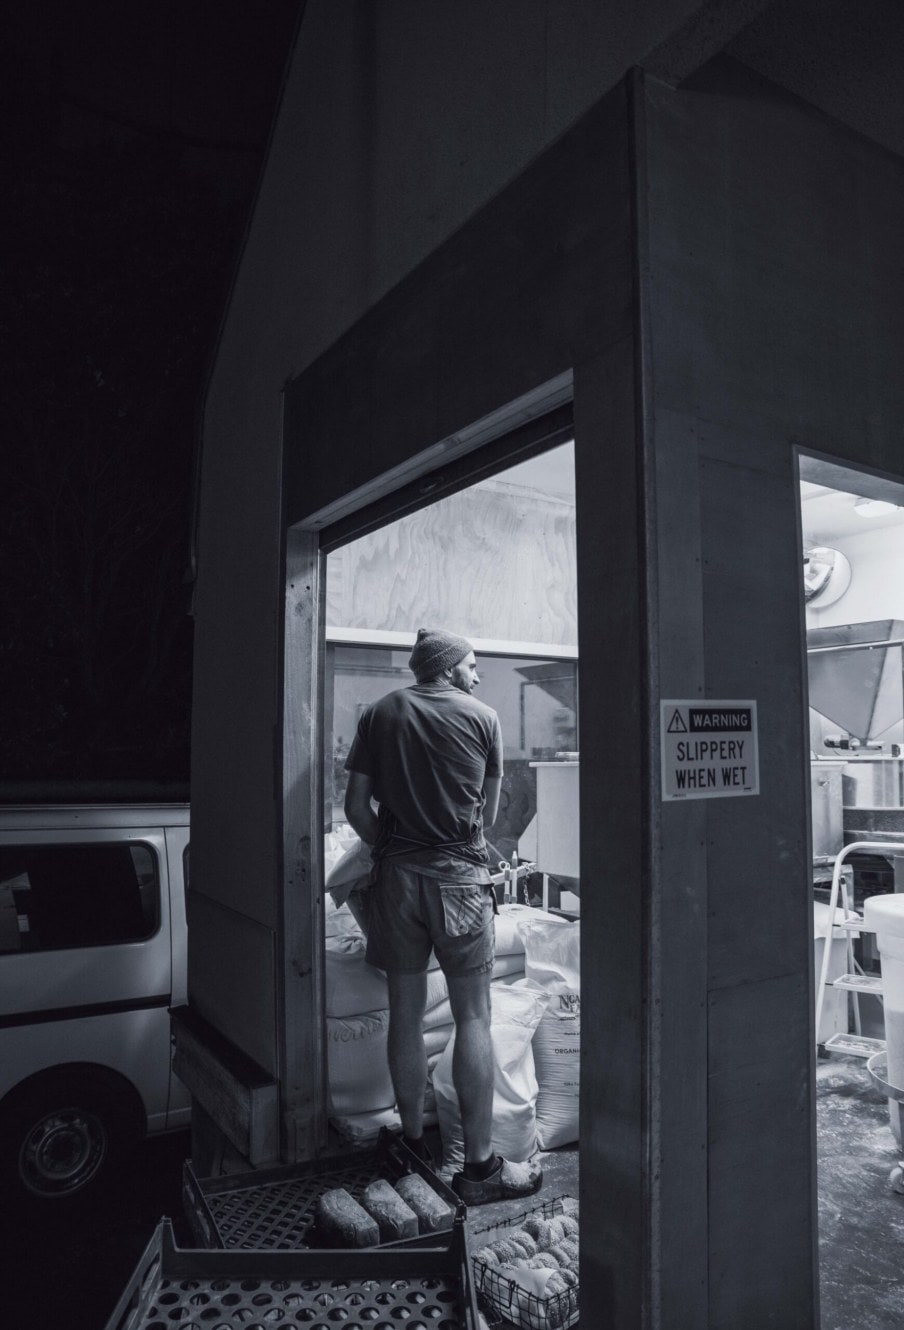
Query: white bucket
(885, 914)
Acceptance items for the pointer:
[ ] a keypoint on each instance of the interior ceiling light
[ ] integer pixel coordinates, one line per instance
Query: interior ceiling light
(874, 507)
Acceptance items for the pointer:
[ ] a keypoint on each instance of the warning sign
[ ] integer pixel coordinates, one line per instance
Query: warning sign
(709, 749)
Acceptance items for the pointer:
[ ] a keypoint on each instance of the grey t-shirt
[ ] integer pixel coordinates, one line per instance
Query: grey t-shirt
(428, 749)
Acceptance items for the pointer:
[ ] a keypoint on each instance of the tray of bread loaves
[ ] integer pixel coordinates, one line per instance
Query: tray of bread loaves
(361, 1198)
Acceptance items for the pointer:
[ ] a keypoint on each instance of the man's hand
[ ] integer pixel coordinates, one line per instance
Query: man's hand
(358, 807)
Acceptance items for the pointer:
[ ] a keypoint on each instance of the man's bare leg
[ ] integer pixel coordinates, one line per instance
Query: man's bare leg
(485, 1176)
(406, 1052)
(472, 1062)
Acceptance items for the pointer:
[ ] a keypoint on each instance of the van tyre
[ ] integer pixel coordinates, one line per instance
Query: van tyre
(64, 1136)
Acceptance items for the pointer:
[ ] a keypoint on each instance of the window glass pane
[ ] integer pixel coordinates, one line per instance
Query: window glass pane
(61, 896)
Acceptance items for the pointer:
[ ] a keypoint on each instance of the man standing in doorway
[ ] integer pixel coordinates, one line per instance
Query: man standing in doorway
(430, 755)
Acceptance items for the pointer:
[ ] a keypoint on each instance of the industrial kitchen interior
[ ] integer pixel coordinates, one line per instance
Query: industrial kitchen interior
(852, 527)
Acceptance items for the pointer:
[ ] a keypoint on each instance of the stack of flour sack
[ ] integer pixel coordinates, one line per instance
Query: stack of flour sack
(536, 1036)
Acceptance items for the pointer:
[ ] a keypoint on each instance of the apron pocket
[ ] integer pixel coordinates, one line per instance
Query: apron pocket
(463, 908)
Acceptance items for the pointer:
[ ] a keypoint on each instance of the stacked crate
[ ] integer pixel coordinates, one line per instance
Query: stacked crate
(261, 1260)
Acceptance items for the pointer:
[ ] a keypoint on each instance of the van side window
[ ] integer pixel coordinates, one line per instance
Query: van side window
(60, 896)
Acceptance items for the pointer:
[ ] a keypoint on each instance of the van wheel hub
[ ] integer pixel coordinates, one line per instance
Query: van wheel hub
(62, 1152)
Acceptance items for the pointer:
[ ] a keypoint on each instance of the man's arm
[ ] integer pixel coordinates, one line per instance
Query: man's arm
(491, 788)
(492, 785)
(358, 807)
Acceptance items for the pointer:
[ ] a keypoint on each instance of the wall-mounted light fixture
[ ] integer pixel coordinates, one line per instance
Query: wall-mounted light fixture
(874, 507)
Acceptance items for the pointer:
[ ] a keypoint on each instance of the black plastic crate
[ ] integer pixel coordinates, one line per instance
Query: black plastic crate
(505, 1300)
(371, 1288)
(273, 1209)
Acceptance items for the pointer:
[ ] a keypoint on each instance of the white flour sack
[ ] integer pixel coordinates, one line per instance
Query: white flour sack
(517, 1009)
(351, 985)
(364, 1128)
(552, 958)
(509, 941)
(356, 1059)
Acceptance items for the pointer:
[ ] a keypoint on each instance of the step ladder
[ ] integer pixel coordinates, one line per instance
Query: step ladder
(853, 980)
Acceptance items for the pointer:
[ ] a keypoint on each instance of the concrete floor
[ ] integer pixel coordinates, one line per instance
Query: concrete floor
(58, 1271)
(861, 1219)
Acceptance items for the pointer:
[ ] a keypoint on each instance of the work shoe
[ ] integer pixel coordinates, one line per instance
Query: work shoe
(508, 1182)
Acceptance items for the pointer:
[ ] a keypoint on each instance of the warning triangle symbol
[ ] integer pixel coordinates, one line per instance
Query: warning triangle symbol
(676, 724)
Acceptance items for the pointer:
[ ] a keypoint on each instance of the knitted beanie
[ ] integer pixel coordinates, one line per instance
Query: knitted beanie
(435, 651)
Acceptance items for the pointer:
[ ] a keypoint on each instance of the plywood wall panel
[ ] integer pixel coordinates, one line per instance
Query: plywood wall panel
(490, 563)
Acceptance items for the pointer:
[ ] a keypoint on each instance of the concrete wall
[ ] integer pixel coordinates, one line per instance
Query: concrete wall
(773, 312)
(398, 121)
(771, 319)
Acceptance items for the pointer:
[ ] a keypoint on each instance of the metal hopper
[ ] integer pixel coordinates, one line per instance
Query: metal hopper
(856, 675)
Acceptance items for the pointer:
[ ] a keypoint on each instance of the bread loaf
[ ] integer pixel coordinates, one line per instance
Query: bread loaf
(433, 1213)
(504, 1249)
(487, 1255)
(342, 1222)
(395, 1219)
(542, 1260)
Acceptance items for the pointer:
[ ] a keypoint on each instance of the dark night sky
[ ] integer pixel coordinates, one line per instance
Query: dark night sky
(204, 70)
(133, 140)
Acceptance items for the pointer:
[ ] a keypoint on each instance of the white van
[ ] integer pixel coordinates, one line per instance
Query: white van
(92, 957)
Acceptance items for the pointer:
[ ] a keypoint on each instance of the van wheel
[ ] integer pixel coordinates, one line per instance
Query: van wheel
(63, 1137)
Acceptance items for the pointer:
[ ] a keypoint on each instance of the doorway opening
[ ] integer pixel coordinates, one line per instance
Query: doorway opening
(852, 527)
(495, 563)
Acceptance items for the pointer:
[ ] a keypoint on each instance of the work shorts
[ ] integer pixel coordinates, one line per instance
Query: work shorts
(411, 914)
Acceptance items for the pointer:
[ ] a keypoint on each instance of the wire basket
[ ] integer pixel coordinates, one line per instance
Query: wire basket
(275, 1208)
(507, 1299)
(370, 1288)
